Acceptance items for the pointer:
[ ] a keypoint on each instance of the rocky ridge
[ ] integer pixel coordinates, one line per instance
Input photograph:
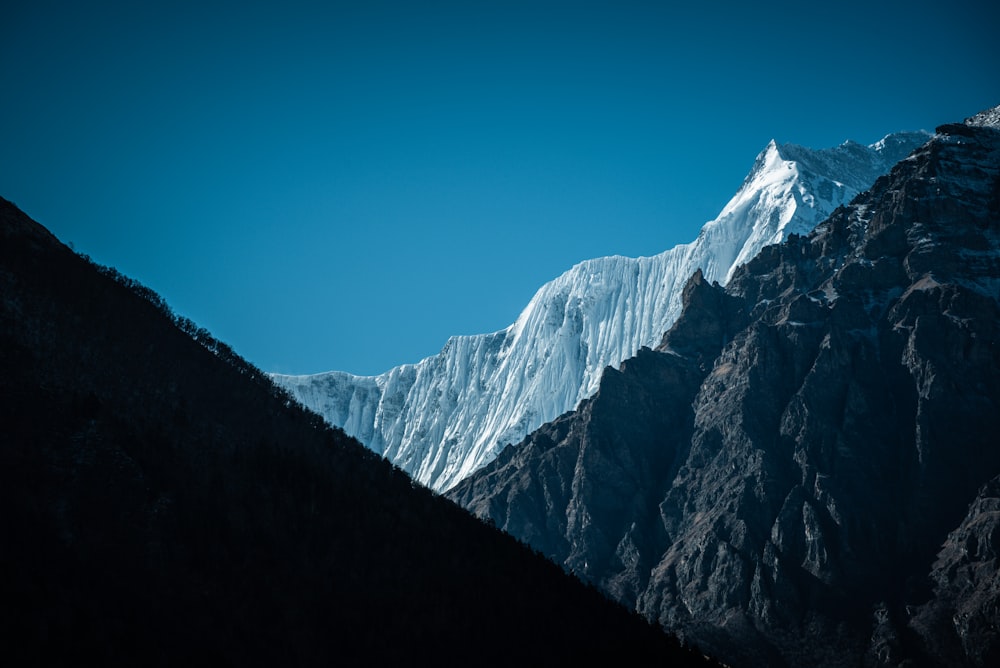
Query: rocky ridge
(777, 479)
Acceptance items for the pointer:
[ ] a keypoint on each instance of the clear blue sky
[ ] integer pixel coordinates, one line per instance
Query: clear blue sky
(344, 185)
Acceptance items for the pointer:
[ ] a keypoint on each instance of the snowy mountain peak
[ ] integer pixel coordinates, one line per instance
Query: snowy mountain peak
(450, 414)
(896, 146)
(790, 189)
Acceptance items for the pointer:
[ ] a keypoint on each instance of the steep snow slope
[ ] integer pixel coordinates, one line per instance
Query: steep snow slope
(450, 414)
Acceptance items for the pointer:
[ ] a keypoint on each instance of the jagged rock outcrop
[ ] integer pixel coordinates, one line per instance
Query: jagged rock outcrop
(448, 415)
(830, 416)
(962, 617)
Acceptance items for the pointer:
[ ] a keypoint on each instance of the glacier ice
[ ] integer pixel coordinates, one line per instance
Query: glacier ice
(450, 414)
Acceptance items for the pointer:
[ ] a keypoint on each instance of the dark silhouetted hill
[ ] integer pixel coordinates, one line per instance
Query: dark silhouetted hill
(162, 503)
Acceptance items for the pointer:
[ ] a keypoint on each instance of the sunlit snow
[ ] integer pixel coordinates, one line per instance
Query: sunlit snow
(450, 414)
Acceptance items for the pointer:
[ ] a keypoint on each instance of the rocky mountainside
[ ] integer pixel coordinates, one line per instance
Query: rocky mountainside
(450, 414)
(805, 470)
(163, 503)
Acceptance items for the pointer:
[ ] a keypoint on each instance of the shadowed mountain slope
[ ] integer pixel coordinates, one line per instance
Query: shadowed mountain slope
(163, 503)
(805, 472)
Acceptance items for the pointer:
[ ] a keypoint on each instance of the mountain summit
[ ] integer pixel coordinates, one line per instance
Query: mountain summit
(450, 414)
(805, 471)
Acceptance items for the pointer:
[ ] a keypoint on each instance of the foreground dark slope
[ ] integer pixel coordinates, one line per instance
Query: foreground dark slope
(806, 473)
(162, 503)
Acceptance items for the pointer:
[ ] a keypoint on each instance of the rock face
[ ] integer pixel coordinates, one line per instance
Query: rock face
(777, 479)
(448, 415)
(961, 618)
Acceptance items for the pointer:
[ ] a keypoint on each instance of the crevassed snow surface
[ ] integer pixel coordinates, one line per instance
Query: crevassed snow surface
(450, 414)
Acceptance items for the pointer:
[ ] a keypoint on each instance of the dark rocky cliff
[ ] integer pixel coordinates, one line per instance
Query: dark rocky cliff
(801, 474)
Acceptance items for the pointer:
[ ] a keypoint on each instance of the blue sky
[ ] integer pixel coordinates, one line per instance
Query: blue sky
(345, 185)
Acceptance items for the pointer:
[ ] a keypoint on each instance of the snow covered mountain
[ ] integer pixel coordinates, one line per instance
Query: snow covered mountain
(452, 413)
(805, 471)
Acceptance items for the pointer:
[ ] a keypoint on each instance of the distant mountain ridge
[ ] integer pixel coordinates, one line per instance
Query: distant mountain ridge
(806, 471)
(450, 414)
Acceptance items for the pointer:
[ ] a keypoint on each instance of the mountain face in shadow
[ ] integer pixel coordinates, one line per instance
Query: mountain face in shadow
(162, 503)
(805, 472)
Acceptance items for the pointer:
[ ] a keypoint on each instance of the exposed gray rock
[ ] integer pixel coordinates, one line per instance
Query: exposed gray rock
(963, 617)
(776, 481)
